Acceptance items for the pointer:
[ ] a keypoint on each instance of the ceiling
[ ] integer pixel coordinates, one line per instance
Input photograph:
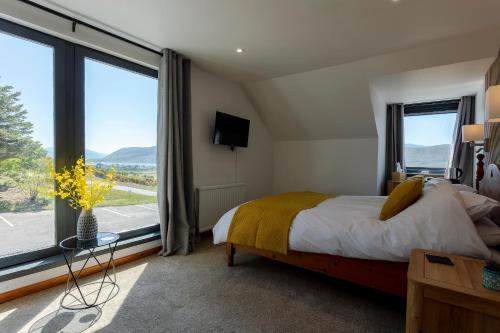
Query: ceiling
(348, 100)
(428, 84)
(282, 37)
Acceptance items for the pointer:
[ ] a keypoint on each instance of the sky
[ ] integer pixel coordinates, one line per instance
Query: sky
(429, 130)
(120, 105)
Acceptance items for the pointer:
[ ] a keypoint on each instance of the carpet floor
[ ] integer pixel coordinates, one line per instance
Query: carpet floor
(199, 293)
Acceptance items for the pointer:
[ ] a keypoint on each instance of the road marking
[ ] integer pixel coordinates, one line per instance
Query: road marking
(146, 207)
(5, 220)
(117, 213)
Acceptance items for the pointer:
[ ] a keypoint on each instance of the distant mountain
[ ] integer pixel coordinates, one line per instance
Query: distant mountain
(427, 156)
(133, 155)
(89, 154)
(411, 145)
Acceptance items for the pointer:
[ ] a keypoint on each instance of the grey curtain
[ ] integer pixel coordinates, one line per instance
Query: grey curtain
(394, 139)
(174, 156)
(462, 154)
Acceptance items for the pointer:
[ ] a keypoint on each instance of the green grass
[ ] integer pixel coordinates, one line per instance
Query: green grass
(140, 186)
(114, 198)
(122, 198)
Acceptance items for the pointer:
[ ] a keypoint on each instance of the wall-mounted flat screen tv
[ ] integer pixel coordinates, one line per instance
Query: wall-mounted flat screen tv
(231, 130)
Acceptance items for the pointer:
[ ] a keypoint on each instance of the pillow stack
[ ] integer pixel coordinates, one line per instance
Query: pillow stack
(479, 208)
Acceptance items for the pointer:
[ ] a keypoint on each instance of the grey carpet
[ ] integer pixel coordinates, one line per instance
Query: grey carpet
(198, 293)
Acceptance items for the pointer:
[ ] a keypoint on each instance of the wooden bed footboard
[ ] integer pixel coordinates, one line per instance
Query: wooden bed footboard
(386, 276)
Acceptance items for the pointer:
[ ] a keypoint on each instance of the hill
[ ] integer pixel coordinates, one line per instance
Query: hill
(132, 155)
(89, 154)
(427, 156)
(411, 145)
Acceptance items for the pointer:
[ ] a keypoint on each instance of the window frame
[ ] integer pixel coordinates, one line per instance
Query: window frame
(63, 138)
(82, 52)
(69, 125)
(426, 109)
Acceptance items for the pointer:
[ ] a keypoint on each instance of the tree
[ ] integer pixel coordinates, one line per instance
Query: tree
(22, 159)
(28, 170)
(15, 129)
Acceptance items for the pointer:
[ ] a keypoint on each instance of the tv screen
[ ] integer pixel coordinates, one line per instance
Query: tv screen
(231, 130)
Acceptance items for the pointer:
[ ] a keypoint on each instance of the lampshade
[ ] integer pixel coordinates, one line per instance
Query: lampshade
(472, 133)
(493, 104)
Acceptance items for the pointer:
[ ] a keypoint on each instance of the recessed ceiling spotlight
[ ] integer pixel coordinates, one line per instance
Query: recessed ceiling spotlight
(239, 50)
(395, 0)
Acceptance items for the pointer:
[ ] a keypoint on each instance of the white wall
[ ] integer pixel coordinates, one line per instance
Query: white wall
(338, 166)
(422, 85)
(213, 164)
(379, 105)
(340, 102)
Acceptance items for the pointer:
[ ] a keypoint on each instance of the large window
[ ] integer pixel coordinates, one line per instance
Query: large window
(59, 101)
(428, 134)
(120, 133)
(26, 145)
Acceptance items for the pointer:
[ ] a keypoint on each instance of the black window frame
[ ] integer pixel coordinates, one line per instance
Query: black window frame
(69, 124)
(82, 52)
(425, 109)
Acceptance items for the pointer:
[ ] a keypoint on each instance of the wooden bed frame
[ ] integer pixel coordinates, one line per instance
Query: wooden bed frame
(386, 276)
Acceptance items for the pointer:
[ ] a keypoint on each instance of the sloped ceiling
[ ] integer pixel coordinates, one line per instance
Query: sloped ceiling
(282, 37)
(335, 102)
(445, 82)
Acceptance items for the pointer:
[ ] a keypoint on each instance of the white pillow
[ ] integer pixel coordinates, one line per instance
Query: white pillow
(463, 188)
(446, 185)
(477, 205)
(488, 231)
(431, 182)
(437, 221)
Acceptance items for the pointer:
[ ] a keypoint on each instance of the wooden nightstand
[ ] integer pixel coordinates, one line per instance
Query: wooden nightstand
(445, 298)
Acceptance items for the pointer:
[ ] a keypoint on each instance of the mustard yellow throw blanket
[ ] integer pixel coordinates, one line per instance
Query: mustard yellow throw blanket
(265, 223)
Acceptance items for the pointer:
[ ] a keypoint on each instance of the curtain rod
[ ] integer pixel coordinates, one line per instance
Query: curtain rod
(77, 21)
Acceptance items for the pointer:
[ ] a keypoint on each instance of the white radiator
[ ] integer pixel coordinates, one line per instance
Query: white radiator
(214, 201)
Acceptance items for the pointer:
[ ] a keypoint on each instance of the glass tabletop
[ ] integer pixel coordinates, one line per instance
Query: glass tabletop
(102, 239)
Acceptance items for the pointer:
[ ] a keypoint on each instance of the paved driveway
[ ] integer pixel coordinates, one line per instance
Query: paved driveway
(135, 190)
(20, 232)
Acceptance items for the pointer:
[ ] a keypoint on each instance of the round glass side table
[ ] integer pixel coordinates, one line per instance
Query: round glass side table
(79, 296)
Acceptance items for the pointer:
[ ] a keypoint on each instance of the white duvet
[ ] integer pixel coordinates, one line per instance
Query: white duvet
(349, 226)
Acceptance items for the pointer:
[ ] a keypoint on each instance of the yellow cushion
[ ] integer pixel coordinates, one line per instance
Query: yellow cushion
(418, 176)
(401, 197)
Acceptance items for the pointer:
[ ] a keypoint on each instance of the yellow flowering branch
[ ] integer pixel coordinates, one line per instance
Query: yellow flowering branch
(80, 186)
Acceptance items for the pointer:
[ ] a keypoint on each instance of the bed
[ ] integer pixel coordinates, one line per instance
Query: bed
(362, 250)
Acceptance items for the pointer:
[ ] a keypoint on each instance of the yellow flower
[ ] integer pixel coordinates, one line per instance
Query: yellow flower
(80, 185)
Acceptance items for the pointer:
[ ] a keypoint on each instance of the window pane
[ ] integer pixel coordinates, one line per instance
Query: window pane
(120, 132)
(26, 145)
(428, 140)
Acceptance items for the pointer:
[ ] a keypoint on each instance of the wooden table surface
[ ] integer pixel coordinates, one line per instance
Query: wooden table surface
(453, 295)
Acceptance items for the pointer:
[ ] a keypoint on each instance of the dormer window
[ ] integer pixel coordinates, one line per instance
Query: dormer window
(428, 136)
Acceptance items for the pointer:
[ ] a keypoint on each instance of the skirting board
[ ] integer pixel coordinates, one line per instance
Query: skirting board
(39, 286)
